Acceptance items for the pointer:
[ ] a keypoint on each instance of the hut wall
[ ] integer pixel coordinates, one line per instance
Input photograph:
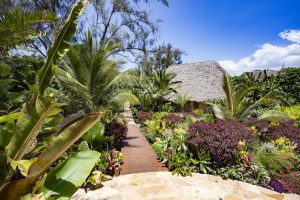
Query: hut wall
(193, 105)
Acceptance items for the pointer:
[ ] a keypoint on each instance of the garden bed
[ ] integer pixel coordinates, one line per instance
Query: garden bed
(263, 154)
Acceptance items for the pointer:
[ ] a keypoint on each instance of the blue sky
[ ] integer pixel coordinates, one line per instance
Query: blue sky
(241, 34)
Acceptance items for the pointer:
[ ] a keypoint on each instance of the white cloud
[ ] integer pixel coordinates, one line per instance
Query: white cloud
(269, 56)
(291, 35)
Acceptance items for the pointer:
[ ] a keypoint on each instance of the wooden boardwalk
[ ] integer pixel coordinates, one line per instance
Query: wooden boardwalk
(138, 153)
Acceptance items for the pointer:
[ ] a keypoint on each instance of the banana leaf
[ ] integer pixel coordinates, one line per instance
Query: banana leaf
(272, 116)
(60, 46)
(14, 190)
(28, 125)
(62, 142)
(64, 180)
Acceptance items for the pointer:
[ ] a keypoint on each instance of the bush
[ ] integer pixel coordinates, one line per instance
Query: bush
(172, 120)
(169, 107)
(143, 116)
(135, 110)
(118, 130)
(291, 182)
(152, 129)
(277, 185)
(254, 175)
(199, 112)
(286, 129)
(219, 139)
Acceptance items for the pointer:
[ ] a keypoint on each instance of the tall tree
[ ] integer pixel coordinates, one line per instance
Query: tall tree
(126, 23)
(121, 21)
(160, 58)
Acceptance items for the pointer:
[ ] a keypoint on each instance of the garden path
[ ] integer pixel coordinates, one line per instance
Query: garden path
(138, 153)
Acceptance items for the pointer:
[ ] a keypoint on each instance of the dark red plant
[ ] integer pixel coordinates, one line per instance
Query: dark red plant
(291, 182)
(173, 119)
(118, 130)
(143, 116)
(219, 139)
(285, 129)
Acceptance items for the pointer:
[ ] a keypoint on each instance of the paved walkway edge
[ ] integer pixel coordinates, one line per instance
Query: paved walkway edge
(138, 153)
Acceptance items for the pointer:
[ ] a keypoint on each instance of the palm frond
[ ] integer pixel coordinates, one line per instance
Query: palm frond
(17, 27)
(221, 112)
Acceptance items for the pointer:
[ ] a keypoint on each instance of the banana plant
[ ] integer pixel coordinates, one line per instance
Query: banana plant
(34, 115)
(55, 182)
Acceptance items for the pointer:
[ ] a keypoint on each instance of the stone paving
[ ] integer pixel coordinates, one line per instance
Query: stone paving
(138, 153)
(164, 185)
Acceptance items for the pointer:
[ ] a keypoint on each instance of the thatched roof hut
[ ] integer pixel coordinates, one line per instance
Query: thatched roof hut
(201, 81)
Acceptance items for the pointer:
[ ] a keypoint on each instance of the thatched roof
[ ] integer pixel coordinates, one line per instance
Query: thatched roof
(200, 81)
(268, 72)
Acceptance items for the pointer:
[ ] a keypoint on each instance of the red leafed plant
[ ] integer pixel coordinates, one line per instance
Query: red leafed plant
(219, 139)
(118, 130)
(285, 129)
(143, 116)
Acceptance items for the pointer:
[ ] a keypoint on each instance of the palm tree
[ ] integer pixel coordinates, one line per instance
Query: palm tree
(153, 89)
(181, 100)
(238, 106)
(89, 73)
(17, 27)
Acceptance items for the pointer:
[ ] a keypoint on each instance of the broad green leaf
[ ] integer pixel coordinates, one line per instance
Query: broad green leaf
(28, 126)
(63, 180)
(6, 132)
(220, 112)
(62, 142)
(9, 117)
(60, 46)
(240, 95)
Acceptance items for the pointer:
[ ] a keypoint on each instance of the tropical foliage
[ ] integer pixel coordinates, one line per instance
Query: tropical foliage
(62, 89)
(17, 27)
(88, 74)
(37, 113)
(238, 105)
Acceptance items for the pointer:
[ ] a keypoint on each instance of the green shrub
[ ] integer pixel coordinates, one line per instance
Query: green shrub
(152, 129)
(272, 159)
(198, 112)
(256, 174)
(169, 107)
